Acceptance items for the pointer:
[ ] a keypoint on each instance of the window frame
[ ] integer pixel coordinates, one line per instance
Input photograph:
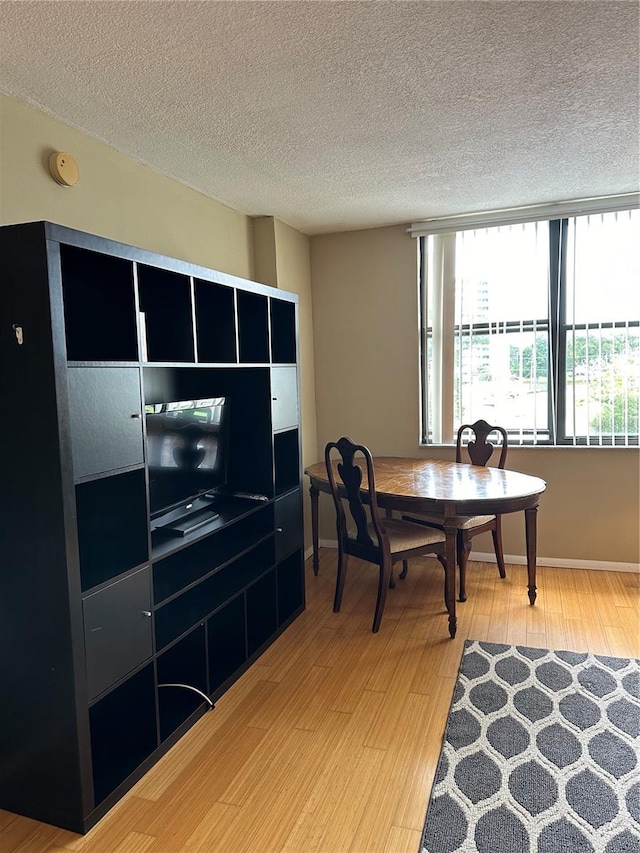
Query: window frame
(557, 327)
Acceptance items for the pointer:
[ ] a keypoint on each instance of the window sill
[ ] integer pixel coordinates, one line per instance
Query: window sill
(538, 447)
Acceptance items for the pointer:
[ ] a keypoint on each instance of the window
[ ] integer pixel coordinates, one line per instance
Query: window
(535, 326)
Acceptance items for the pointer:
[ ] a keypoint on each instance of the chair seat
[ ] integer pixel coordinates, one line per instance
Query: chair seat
(403, 536)
(465, 522)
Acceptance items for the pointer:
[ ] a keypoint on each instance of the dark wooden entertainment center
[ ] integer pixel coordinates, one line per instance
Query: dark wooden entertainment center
(116, 637)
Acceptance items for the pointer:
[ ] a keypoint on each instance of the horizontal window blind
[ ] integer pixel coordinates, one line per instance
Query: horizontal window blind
(601, 329)
(533, 326)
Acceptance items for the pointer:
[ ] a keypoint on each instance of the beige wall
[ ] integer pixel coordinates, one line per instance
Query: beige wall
(123, 200)
(364, 287)
(360, 298)
(116, 196)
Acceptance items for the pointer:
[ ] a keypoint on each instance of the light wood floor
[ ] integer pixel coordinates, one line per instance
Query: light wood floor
(329, 742)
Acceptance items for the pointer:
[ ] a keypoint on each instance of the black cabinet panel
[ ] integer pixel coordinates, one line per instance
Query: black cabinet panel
(117, 630)
(105, 409)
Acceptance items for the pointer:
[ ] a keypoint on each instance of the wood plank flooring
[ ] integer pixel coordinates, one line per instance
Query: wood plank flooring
(329, 743)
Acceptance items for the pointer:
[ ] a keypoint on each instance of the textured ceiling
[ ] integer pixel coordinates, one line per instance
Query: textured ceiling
(342, 115)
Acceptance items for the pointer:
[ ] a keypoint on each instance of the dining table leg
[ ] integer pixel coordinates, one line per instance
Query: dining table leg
(451, 534)
(313, 492)
(531, 521)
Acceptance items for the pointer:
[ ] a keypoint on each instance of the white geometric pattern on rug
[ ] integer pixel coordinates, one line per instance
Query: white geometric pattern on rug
(541, 755)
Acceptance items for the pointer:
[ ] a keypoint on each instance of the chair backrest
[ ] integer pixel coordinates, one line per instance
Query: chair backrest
(350, 473)
(479, 449)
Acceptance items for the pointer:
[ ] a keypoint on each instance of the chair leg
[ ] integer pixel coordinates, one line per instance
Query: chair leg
(497, 544)
(340, 579)
(405, 569)
(443, 563)
(392, 580)
(383, 585)
(463, 549)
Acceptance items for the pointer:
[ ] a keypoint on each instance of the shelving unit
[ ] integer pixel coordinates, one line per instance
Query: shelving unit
(118, 636)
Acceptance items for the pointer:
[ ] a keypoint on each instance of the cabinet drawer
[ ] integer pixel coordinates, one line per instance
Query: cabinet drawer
(179, 615)
(288, 524)
(117, 630)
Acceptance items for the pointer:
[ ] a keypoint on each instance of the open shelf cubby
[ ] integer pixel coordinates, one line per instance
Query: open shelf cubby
(123, 731)
(215, 323)
(180, 668)
(112, 526)
(166, 315)
(253, 328)
(99, 306)
(262, 611)
(283, 332)
(290, 586)
(227, 641)
(287, 460)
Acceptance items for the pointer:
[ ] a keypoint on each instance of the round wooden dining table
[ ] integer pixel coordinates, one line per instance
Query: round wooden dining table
(450, 489)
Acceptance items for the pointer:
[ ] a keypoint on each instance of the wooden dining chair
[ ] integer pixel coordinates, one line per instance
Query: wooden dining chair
(474, 439)
(374, 539)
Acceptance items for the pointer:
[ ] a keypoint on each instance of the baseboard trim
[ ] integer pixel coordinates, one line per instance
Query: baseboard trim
(517, 560)
(560, 562)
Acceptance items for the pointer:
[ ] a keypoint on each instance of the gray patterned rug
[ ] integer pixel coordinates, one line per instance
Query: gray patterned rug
(541, 754)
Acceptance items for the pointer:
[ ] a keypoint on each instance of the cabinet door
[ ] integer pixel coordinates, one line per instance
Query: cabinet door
(284, 398)
(117, 630)
(106, 418)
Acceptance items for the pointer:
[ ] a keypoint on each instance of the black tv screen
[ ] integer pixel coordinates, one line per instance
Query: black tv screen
(187, 451)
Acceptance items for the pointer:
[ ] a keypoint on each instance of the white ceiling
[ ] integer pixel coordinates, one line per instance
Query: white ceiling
(343, 115)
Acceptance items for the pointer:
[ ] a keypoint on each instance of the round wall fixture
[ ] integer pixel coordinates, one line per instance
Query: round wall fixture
(64, 169)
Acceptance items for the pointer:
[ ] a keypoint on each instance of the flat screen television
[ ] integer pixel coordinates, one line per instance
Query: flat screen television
(187, 456)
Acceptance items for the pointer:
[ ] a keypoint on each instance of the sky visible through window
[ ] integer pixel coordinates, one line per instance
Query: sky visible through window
(604, 262)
